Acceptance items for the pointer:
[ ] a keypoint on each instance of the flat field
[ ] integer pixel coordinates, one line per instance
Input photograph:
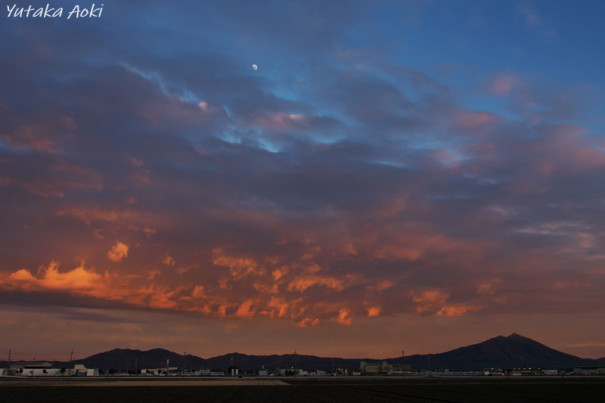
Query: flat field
(505, 389)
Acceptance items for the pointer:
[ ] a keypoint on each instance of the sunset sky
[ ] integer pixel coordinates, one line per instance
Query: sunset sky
(416, 175)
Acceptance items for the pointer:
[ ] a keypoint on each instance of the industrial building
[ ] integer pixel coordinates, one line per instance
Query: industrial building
(40, 369)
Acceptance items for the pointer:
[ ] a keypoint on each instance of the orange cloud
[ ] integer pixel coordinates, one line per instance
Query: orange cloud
(238, 267)
(398, 252)
(149, 231)
(161, 297)
(434, 301)
(278, 273)
(198, 292)
(430, 300)
(118, 252)
(278, 308)
(456, 310)
(88, 215)
(266, 288)
(343, 317)
(381, 286)
(485, 289)
(42, 136)
(300, 284)
(245, 310)
(374, 311)
(83, 281)
(308, 322)
(50, 278)
(414, 246)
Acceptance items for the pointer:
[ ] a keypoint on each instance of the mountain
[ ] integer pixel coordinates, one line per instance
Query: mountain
(129, 360)
(499, 352)
(126, 359)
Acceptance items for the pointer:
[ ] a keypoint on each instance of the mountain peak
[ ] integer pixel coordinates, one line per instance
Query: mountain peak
(499, 352)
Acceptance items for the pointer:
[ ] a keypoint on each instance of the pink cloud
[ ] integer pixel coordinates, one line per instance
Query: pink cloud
(475, 120)
(42, 136)
(504, 84)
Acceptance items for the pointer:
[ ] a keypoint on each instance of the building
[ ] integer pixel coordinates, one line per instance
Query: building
(375, 368)
(522, 371)
(589, 370)
(33, 369)
(400, 368)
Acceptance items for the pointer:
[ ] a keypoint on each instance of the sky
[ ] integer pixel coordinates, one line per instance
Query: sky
(393, 175)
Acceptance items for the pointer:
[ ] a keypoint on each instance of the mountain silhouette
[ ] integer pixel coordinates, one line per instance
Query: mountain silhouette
(513, 351)
(129, 360)
(499, 352)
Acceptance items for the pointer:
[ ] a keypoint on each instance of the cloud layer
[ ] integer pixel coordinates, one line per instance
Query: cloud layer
(319, 189)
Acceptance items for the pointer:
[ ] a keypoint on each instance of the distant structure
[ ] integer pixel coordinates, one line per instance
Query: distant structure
(589, 370)
(43, 368)
(375, 368)
(383, 368)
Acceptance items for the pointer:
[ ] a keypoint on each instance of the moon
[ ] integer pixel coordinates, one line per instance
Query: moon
(254, 67)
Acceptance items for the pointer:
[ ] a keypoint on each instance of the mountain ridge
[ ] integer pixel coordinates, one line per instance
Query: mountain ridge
(511, 351)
